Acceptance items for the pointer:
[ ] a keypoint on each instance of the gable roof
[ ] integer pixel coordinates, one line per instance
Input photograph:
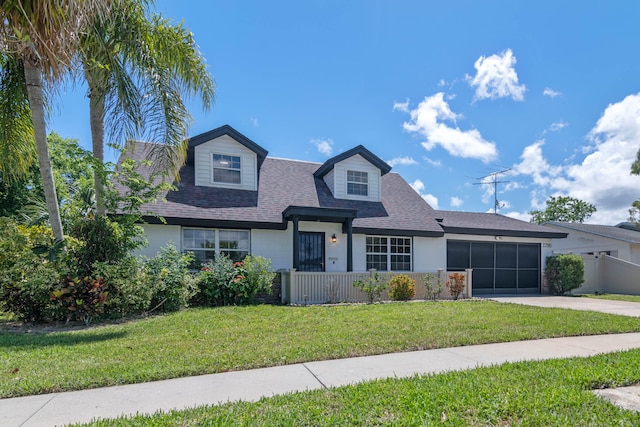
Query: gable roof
(287, 184)
(362, 151)
(261, 153)
(489, 224)
(619, 232)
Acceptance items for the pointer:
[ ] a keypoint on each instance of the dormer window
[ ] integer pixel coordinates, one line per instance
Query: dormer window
(357, 183)
(226, 169)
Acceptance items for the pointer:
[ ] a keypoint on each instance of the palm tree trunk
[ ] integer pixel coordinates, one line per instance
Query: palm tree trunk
(96, 119)
(33, 79)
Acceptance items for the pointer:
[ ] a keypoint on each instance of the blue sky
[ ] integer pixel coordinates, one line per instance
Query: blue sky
(447, 92)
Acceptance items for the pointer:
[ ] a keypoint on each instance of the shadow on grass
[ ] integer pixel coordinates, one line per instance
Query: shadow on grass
(13, 339)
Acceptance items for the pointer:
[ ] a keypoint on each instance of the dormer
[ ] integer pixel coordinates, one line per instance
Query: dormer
(354, 175)
(225, 158)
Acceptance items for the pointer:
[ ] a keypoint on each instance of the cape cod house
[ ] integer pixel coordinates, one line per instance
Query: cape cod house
(350, 213)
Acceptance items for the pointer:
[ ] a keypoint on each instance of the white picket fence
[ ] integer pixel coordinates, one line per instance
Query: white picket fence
(319, 288)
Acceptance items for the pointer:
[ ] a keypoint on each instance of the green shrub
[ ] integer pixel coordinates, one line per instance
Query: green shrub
(26, 278)
(224, 282)
(564, 272)
(102, 240)
(373, 286)
(173, 285)
(259, 275)
(129, 289)
(402, 288)
(432, 285)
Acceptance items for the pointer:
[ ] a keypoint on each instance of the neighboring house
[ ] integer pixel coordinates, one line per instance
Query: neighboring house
(620, 241)
(348, 214)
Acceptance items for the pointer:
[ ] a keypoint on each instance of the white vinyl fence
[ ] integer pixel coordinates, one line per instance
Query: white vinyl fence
(320, 288)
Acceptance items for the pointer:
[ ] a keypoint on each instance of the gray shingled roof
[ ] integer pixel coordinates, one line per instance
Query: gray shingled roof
(610, 231)
(491, 224)
(285, 183)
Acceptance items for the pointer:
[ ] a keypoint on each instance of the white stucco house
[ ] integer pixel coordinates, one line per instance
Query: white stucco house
(619, 241)
(350, 213)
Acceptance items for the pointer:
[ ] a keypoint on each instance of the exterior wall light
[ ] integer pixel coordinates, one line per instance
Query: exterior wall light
(334, 238)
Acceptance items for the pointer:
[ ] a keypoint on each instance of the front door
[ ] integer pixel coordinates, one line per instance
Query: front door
(311, 251)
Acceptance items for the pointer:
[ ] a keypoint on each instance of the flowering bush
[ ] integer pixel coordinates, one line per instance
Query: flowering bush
(456, 285)
(402, 288)
(224, 282)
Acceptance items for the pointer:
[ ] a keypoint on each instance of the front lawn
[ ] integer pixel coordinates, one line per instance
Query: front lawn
(547, 393)
(613, 297)
(211, 340)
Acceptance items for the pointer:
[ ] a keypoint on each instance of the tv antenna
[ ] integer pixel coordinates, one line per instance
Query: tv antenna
(493, 180)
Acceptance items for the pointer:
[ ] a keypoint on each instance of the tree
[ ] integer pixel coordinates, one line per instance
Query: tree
(635, 167)
(43, 36)
(563, 209)
(137, 69)
(634, 213)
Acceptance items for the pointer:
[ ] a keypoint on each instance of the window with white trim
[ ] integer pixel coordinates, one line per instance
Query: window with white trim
(206, 243)
(226, 169)
(357, 183)
(388, 253)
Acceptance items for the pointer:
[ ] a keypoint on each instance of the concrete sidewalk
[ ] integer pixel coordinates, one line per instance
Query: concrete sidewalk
(180, 393)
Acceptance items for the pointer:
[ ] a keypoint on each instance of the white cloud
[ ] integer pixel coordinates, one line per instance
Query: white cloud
(603, 177)
(254, 121)
(325, 146)
(418, 186)
(522, 216)
(496, 77)
(456, 202)
(403, 160)
(556, 126)
(550, 92)
(401, 106)
(534, 164)
(434, 163)
(429, 119)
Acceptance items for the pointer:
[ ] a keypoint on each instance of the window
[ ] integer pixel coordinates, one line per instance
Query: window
(206, 243)
(357, 183)
(226, 169)
(389, 253)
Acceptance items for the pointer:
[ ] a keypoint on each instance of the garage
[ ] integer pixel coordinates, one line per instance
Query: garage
(498, 268)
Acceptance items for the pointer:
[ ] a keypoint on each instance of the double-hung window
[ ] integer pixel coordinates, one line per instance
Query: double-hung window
(388, 253)
(226, 169)
(205, 244)
(357, 183)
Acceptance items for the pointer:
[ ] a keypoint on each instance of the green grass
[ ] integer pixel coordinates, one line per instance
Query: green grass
(547, 393)
(200, 341)
(614, 297)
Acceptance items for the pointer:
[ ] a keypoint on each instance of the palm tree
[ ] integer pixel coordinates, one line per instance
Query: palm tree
(17, 150)
(44, 36)
(137, 69)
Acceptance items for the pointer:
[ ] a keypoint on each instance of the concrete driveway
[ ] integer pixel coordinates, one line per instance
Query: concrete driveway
(624, 308)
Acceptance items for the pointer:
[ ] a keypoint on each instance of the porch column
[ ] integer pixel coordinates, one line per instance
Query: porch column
(349, 245)
(296, 244)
